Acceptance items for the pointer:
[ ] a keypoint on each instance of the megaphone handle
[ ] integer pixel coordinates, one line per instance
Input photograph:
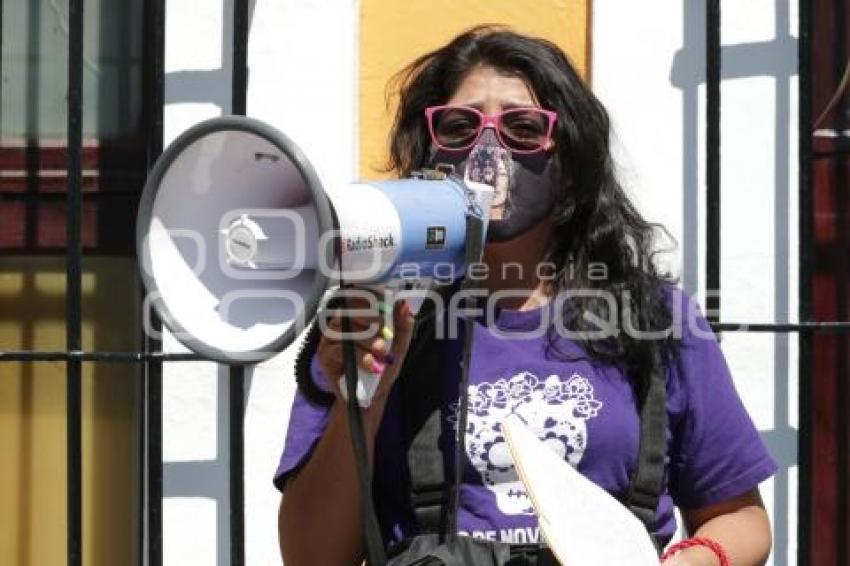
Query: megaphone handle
(367, 381)
(367, 384)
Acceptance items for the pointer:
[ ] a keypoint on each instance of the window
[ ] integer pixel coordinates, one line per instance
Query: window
(33, 213)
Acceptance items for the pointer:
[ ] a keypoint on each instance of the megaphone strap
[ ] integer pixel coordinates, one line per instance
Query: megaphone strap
(374, 541)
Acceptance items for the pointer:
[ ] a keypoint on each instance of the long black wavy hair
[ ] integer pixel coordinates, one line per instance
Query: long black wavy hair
(594, 223)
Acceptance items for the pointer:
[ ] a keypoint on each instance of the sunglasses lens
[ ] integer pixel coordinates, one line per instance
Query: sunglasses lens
(524, 129)
(455, 128)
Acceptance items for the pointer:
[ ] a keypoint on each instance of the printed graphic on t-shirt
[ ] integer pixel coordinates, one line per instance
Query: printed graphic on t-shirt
(556, 408)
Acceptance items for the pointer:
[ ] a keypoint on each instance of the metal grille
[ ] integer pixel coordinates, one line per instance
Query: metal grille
(151, 356)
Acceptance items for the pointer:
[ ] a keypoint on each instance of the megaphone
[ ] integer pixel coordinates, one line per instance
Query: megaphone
(238, 242)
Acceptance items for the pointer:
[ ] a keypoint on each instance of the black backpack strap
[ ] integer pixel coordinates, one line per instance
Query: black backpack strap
(421, 385)
(427, 475)
(648, 479)
(428, 492)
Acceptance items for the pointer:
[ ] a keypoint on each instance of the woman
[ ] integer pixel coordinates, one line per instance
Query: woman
(565, 250)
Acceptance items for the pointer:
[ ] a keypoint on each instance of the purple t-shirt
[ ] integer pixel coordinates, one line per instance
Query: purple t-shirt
(586, 412)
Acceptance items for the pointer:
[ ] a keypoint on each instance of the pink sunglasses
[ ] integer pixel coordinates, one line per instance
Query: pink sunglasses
(522, 130)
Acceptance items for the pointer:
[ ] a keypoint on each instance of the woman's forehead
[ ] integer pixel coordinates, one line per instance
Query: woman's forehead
(485, 86)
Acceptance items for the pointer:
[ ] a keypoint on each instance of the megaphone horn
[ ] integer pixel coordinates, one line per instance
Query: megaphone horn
(236, 236)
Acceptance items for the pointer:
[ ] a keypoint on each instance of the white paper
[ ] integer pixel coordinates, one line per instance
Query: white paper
(581, 522)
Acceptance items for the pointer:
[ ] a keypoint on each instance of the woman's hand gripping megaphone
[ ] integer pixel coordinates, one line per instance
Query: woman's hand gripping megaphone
(381, 333)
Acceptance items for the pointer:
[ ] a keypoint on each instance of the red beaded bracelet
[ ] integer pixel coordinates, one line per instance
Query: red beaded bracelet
(711, 544)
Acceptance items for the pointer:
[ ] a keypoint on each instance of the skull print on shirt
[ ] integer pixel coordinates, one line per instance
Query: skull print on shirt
(555, 408)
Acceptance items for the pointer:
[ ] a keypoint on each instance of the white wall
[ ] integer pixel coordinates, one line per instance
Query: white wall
(302, 58)
(195, 447)
(649, 69)
(303, 83)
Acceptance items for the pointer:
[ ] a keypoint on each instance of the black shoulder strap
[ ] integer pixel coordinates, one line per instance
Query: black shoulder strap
(428, 486)
(648, 479)
(435, 500)
(421, 390)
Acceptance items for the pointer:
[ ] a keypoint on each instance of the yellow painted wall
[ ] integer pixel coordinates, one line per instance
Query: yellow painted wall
(394, 33)
(32, 414)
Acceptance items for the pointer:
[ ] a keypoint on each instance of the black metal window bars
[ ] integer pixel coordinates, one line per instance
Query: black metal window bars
(152, 357)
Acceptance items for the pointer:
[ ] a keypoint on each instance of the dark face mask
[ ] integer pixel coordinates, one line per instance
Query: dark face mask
(526, 185)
